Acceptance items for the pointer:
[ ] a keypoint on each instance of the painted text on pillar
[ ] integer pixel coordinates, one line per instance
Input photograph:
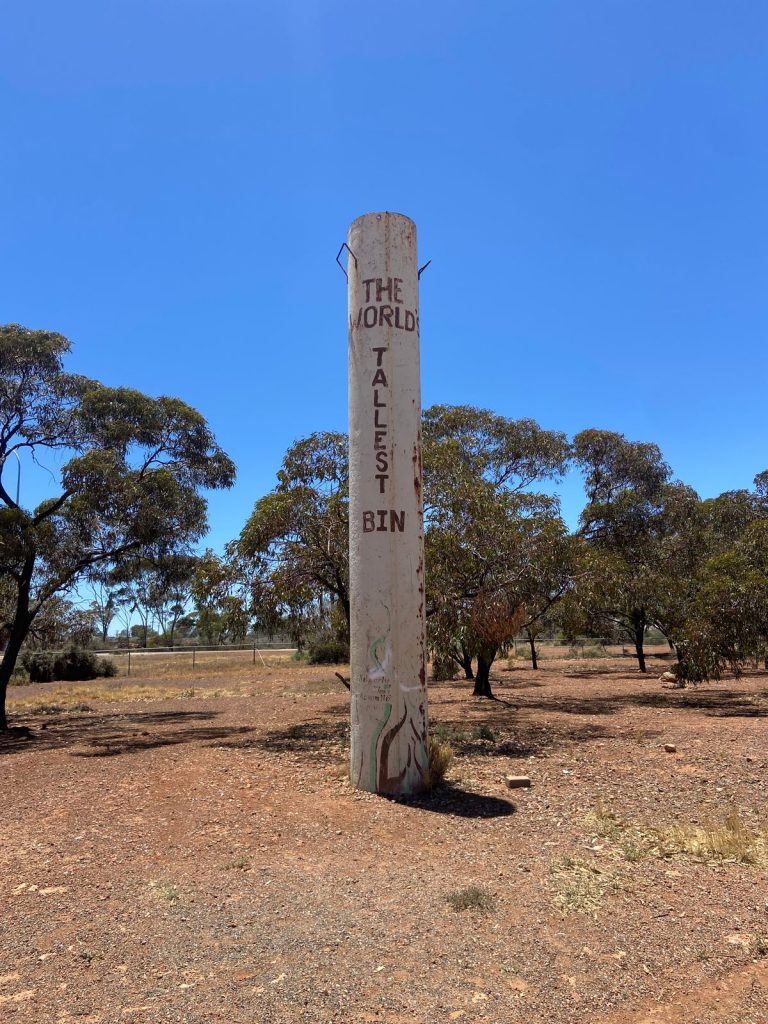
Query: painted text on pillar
(388, 678)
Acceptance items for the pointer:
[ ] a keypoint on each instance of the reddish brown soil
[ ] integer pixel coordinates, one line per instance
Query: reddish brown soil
(203, 859)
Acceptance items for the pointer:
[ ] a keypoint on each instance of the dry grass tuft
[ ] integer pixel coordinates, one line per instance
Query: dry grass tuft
(604, 822)
(729, 841)
(440, 758)
(238, 864)
(471, 898)
(578, 886)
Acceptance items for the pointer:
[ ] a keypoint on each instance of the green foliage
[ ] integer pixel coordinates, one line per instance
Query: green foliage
(327, 648)
(496, 553)
(20, 676)
(296, 541)
(74, 665)
(637, 539)
(131, 481)
(40, 666)
(444, 668)
(727, 620)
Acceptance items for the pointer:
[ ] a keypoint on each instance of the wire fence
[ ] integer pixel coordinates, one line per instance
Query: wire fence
(189, 656)
(584, 647)
(144, 661)
(194, 656)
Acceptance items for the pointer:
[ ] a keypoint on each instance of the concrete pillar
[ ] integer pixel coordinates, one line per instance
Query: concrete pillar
(386, 556)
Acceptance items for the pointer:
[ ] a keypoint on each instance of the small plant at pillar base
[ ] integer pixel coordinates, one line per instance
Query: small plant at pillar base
(440, 758)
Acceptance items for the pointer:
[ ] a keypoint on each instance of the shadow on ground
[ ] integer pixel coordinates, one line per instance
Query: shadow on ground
(461, 803)
(109, 735)
(319, 738)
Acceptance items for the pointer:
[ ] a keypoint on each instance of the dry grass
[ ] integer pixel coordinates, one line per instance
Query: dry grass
(471, 898)
(71, 698)
(579, 886)
(604, 822)
(148, 665)
(729, 841)
(440, 758)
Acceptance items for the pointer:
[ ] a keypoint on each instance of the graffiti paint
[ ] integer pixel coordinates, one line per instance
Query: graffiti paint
(388, 678)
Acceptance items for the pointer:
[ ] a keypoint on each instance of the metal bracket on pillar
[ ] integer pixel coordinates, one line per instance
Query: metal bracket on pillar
(422, 269)
(341, 250)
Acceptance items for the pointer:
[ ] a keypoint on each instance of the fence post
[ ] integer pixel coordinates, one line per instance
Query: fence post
(254, 652)
(129, 661)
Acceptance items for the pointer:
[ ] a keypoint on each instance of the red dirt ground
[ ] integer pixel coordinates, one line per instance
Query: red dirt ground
(203, 858)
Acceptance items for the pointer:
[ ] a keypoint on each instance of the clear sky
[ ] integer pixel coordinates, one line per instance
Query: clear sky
(589, 178)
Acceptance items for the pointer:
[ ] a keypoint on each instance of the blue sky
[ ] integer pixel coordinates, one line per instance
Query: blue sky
(588, 178)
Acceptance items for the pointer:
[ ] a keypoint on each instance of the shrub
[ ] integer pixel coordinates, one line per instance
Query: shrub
(108, 668)
(326, 649)
(594, 651)
(19, 676)
(443, 668)
(40, 665)
(74, 665)
(471, 898)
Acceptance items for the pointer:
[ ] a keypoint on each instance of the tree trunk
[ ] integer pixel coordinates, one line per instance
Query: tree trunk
(532, 642)
(483, 676)
(464, 660)
(344, 598)
(639, 631)
(18, 632)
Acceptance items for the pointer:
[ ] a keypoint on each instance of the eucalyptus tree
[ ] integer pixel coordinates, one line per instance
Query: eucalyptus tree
(297, 537)
(132, 480)
(219, 589)
(723, 620)
(489, 538)
(637, 526)
(156, 587)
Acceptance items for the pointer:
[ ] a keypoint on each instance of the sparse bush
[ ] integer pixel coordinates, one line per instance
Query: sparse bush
(483, 732)
(169, 892)
(327, 649)
(594, 651)
(239, 863)
(471, 898)
(440, 757)
(19, 676)
(578, 886)
(40, 666)
(74, 665)
(443, 668)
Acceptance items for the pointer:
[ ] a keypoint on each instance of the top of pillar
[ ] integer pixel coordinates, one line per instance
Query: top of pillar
(381, 216)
